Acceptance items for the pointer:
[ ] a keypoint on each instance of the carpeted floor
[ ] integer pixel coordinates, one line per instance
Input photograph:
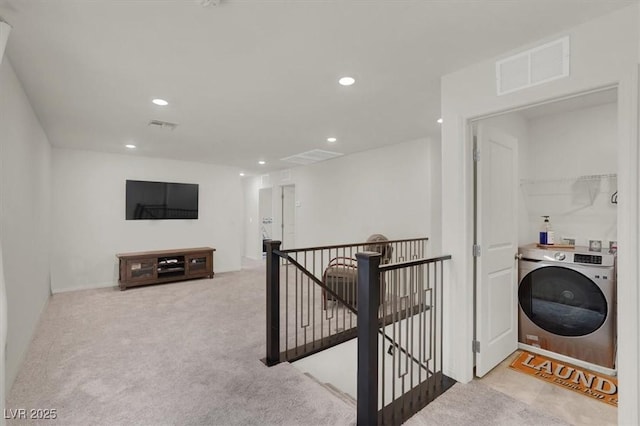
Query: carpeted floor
(182, 353)
(478, 405)
(188, 353)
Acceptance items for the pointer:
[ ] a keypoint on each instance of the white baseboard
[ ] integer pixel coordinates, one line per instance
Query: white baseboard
(568, 359)
(84, 287)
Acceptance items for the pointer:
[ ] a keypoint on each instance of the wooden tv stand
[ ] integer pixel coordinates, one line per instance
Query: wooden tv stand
(163, 266)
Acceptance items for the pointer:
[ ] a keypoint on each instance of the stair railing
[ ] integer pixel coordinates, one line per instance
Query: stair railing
(307, 311)
(394, 384)
(394, 309)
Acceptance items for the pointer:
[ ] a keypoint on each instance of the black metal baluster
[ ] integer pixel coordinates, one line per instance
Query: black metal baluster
(394, 320)
(346, 293)
(338, 305)
(273, 303)
(295, 328)
(421, 303)
(306, 330)
(286, 309)
(441, 304)
(412, 303)
(313, 329)
(384, 280)
(324, 297)
(432, 331)
(352, 286)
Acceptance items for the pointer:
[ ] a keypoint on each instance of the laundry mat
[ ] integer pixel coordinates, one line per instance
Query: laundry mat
(586, 382)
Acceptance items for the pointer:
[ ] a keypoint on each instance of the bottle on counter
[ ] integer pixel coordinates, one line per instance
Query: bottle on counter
(546, 234)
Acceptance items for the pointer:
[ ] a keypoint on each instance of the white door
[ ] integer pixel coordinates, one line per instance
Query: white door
(497, 235)
(288, 216)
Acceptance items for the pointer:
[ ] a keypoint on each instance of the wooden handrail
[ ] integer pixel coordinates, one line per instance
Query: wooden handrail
(415, 262)
(365, 243)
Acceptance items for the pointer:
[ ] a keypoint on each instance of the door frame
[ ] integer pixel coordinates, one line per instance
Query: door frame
(282, 209)
(264, 194)
(459, 356)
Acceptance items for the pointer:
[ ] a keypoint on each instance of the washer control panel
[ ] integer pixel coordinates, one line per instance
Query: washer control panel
(577, 255)
(590, 259)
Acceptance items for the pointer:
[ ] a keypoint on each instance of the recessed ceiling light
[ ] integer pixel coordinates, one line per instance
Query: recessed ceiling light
(347, 81)
(160, 102)
(331, 140)
(241, 174)
(439, 120)
(130, 146)
(262, 162)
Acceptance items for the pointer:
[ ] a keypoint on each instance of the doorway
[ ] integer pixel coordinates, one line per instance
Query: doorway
(288, 218)
(565, 167)
(265, 213)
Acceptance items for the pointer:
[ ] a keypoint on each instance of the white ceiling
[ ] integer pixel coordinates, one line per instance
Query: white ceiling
(255, 79)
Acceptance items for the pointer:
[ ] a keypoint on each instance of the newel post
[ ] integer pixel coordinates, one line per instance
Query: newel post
(368, 303)
(273, 303)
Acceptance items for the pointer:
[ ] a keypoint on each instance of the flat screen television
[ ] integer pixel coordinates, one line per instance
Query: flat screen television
(161, 200)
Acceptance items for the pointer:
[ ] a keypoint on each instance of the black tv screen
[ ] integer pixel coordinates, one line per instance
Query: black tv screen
(161, 200)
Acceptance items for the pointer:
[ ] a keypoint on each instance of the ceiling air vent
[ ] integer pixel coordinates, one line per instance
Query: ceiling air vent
(532, 67)
(313, 156)
(162, 124)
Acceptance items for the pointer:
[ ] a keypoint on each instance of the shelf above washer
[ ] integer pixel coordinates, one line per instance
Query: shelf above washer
(559, 196)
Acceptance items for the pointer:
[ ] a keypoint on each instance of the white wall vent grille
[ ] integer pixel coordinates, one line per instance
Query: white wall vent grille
(313, 156)
(533, 67)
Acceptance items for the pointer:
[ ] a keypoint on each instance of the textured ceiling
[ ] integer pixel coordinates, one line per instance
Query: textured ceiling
(249, 80)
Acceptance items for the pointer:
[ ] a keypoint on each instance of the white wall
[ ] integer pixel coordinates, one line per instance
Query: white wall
(25, 172)
(3, 336)
(5, 29)
(604, 51)
(89, 225)
(251, 223)
(383, 191)
(554, 151)
(564, 147)
(386, 190)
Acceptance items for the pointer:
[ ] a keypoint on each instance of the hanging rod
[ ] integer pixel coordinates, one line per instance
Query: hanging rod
(569, 179)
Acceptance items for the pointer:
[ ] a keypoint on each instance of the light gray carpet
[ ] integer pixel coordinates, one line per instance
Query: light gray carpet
(188, 354)
(182, 353)
(478, 405)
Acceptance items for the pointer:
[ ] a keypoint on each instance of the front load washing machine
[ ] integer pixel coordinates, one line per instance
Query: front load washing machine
(567, 303)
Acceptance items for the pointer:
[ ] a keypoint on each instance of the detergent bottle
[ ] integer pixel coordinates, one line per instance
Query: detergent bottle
(546, 234)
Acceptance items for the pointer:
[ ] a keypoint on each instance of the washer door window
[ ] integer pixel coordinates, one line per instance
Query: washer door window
(562, 301)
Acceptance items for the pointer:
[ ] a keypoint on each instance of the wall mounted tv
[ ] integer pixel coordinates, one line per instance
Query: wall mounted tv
(161, 200)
